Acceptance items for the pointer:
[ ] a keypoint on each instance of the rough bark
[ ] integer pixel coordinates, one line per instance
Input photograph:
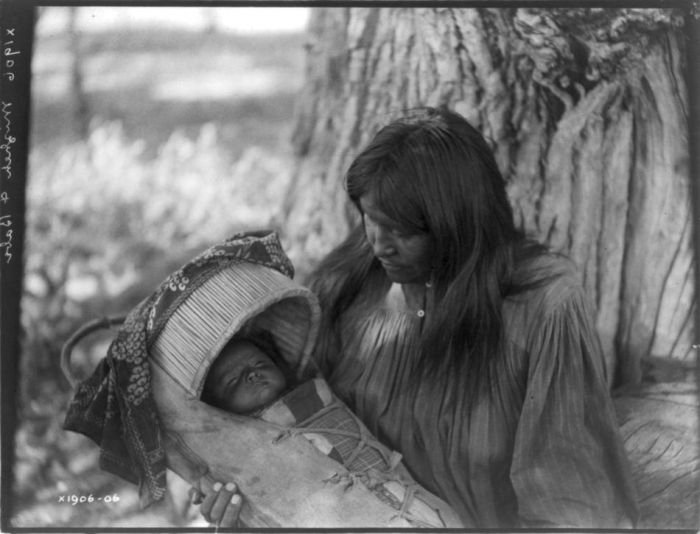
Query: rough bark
(586, 110)
(659, 427)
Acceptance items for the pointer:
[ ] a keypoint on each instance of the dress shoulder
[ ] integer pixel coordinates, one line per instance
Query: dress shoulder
(550, 286)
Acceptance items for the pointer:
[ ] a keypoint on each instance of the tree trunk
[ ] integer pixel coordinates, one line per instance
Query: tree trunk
(659, 426)
(586, 110)
(81, 108)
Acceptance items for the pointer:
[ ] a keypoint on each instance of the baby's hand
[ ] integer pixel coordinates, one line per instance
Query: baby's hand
(222, 506)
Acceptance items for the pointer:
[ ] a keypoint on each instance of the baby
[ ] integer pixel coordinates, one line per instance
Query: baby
(247, 376)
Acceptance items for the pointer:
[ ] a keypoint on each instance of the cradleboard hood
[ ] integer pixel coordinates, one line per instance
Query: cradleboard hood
(142, 404)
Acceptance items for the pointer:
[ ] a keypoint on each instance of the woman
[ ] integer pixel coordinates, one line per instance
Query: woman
(465, 346)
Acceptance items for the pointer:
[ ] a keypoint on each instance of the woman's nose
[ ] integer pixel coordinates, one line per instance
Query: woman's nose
(382, 244)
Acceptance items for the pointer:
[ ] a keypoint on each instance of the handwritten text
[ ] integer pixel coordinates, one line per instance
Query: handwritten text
(9, 53)
(8, 139)
(6, 232)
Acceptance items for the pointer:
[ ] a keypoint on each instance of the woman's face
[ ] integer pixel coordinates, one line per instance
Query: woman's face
(243, 378)
(406, 258)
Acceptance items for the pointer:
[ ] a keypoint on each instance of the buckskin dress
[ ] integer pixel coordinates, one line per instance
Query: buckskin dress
(541, 450)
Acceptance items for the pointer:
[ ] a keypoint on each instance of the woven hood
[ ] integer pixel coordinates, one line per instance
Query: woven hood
(242, 298)
(239, 297)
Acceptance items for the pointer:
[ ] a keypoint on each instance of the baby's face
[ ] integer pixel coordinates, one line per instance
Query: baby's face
(243, 378)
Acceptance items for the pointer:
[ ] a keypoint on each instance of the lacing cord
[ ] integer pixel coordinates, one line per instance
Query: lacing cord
(391, 458)
(408, 499)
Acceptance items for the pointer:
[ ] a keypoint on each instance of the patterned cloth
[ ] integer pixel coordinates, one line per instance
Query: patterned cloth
(115, 406)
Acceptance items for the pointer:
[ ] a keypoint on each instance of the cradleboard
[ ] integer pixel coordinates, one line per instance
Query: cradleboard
(285, 480)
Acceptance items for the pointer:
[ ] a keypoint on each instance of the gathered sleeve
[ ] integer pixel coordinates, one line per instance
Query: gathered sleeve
(569, 466)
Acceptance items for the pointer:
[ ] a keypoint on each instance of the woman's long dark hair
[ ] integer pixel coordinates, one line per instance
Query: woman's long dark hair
(431, 171)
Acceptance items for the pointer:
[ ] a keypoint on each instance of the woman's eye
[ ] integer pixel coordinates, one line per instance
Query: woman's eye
(387, 228)
(374, 224)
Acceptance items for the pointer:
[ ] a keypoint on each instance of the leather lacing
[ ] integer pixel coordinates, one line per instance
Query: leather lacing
(373, 479)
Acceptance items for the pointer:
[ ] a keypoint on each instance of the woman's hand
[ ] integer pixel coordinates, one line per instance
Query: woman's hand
(221, 506)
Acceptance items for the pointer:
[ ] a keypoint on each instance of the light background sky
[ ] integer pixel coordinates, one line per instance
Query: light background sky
(234, 19)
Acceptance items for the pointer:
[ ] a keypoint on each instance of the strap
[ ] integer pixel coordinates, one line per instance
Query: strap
(73, 340)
